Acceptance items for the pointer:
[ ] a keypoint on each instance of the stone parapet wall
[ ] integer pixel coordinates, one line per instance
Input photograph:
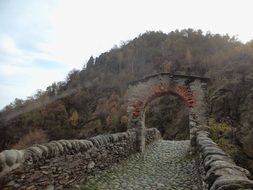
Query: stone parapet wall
(151, 135)
(64, 163)
(218, 170)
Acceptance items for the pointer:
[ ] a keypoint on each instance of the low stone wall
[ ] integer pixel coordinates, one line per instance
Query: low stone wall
(64, 163)
(151, 135)
(219, 172)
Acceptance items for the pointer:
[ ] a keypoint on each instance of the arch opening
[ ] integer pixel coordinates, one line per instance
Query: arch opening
(170, 115)
(137, 107)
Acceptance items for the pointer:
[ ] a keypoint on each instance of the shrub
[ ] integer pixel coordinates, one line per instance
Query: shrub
(34, 136)
(74, 118)
(124, 120)
(219, 130)
(222, 134)
(112, 120)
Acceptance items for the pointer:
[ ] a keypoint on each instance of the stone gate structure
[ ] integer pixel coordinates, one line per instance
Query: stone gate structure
(189, 88)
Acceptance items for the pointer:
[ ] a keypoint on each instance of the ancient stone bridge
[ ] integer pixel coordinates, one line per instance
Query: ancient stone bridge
(135, 159)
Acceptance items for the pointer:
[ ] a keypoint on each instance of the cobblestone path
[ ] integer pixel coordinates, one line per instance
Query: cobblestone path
(164, 165)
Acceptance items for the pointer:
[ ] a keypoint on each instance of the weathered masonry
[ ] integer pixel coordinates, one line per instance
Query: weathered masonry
(189, 88)
(65, 163)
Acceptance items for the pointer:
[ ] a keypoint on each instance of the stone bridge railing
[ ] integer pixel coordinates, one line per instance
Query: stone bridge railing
(218, 170)
(64, 163)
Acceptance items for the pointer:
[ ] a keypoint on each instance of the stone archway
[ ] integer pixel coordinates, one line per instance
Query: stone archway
(141, 92)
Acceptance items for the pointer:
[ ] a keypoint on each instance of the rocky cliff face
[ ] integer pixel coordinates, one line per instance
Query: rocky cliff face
(245, 131)
(233, 103)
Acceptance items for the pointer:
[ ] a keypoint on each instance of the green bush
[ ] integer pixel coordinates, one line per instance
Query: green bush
(222, 134)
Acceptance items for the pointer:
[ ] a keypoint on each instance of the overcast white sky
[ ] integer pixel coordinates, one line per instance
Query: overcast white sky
(42, 40)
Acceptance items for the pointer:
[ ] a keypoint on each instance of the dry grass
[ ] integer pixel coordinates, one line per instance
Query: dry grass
(32, 137)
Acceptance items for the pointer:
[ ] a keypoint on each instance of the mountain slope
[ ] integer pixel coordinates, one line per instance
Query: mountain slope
(91, 101)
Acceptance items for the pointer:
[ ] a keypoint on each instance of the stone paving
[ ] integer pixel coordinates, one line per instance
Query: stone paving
(164, 165)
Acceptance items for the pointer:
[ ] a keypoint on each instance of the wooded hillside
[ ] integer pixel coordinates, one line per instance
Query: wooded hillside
(91, 101)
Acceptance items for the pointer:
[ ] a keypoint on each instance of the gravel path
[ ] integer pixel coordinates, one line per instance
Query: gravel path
(164, 165)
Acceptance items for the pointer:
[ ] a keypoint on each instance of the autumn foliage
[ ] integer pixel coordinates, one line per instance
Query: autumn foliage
(92, 100)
